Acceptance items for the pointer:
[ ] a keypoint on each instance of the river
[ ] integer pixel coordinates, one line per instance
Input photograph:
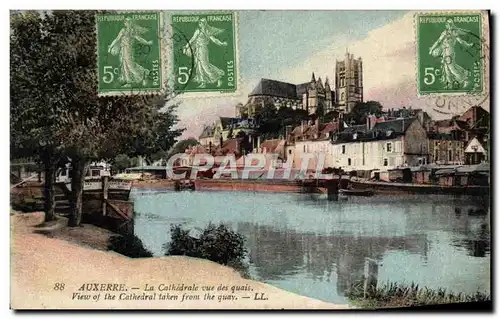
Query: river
(317, 248)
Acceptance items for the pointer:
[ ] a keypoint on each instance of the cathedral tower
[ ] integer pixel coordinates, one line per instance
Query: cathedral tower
(348, 82)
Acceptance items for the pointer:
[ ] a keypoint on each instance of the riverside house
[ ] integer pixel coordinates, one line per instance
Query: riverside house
(382, 146)
(311, 138)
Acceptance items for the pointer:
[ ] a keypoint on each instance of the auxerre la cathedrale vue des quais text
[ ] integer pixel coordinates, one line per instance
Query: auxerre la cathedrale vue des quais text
(249, 159)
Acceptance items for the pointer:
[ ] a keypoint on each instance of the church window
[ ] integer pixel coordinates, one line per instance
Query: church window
(349, 162)
(343, 149)
(385, 162)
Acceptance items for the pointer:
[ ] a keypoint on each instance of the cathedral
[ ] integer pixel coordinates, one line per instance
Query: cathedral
(314, 96)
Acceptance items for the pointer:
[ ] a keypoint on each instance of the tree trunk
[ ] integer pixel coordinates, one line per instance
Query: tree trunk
(49, 192)
(79, 168)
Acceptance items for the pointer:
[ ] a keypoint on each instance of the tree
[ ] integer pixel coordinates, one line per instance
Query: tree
(272, 122)
(181, 146)
(245, 145)
(361, 110)
(330, 116)
(79, 124)
(122, 162)
(36, 129)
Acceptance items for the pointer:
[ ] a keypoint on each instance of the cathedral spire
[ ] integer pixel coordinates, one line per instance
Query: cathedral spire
(327, 84)
(313, 78)
(320, 83)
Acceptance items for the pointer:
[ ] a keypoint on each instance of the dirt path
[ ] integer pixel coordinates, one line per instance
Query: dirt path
(39, 265)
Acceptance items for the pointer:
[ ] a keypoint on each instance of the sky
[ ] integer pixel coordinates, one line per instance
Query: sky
(289, 45)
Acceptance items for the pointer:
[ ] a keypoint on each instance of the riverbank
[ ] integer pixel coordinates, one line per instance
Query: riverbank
(48, 273)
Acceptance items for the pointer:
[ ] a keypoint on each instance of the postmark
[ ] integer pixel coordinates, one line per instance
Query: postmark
(450, 53)
(205, 60)
(129, 53)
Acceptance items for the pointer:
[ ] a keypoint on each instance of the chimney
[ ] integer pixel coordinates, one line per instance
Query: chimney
(316, 124)
(303, 126)
(371, 120)
(288, 131)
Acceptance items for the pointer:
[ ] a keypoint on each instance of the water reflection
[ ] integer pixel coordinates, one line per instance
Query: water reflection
(279, 254)
(317, 248)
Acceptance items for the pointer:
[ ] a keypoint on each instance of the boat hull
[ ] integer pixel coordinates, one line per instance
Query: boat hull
(356, 192)
(403, 188)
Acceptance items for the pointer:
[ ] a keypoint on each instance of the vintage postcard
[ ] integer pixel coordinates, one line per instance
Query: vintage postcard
(250, 160)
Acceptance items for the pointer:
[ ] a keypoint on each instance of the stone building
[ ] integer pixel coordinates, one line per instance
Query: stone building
(312, 96)
(311, 138)
(348, 82)
(207, 135)
(475, 152)
(383, 146)
(446, 149)
(228, 128)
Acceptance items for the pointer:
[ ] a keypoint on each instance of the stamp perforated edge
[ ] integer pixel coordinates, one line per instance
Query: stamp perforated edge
(214, 93)
(485, 51)
(163, 54)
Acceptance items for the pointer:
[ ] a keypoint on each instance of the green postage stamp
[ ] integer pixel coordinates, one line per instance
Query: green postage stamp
(450, 57)
(129, 50)
(205, 52)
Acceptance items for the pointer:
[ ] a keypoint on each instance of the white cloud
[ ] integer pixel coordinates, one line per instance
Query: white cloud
(389, 62)
(384, 51)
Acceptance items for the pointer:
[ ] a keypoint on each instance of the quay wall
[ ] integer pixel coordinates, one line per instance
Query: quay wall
(273, 186)
(159, 184)
(248, 185)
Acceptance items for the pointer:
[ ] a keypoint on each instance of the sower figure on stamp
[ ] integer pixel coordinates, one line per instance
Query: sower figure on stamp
(452, 74)
(204, 71)
(131, 71)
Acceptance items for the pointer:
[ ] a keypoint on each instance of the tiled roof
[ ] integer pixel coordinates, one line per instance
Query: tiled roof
(440, 136)
(327, 128)
(381, 131)
(275, 88)
(397, 126)
(356, 128)
(197, 149)
(227, 121)
(230, 146)
(302, 88)
(270, 145)
(462, 124)
(208, 131)
(443, 123)
(297, 131)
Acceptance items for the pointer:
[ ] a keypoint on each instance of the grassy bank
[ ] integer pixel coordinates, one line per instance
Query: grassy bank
(395, 295)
